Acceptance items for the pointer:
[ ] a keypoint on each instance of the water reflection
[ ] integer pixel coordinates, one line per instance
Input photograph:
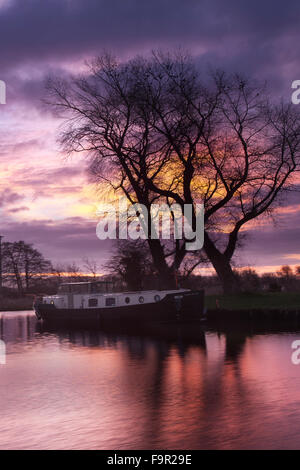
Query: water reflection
(89, 389)
(16, 327)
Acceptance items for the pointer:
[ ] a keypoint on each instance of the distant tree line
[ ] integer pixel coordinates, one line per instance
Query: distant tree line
(26, 270)
(131, 264)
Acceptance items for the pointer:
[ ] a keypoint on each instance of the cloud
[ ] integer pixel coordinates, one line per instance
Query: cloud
(69, 240)
(48, 176)
(8, 148)
(271, 246)
(56, 36)
(8, 197)
(60, 31)
(14, 210)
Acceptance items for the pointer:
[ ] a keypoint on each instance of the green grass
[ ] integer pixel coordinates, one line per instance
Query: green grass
(276, 300)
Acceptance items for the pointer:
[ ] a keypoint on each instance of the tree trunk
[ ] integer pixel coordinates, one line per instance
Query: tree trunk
(165, 273)
(26, 275)
(222, 266)
(18, 280)
(226, 275)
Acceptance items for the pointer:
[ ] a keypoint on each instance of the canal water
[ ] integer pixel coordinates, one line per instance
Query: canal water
(70, 389)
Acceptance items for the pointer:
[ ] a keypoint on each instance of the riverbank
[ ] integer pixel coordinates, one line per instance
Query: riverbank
(257, 309)
(8, 304)
(254, 301)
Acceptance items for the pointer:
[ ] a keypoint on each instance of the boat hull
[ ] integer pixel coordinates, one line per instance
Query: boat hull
(187, 306)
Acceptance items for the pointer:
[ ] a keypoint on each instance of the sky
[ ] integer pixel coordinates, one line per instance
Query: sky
(46, 199)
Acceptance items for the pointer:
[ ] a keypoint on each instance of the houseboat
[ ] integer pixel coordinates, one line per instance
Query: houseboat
(97, 301)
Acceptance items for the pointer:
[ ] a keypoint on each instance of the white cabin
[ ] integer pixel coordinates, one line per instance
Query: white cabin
(78, 295)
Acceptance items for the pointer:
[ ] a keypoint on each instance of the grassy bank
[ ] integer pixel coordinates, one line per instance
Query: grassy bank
(276, 300)
(16, 303)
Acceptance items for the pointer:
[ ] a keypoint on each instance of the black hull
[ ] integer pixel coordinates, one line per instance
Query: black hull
(171, 308)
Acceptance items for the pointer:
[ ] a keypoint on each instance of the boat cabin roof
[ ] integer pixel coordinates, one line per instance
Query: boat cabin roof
(87, 287)
(85, 282)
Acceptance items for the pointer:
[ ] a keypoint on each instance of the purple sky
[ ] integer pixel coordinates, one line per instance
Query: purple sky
(44, 199)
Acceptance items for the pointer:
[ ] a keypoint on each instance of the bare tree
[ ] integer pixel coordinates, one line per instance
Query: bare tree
(23, 264)
(69, 273)
(191, 262)
(12, 263)
(131, 262)
(285, 272)
(249, 280)
(158, 132)
(91, 267)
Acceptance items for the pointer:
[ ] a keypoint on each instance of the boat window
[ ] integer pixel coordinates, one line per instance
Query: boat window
(76, 288)
(102, 287)
(110, 301)
(157, 298)
(127, 300)
(141, 299)
(63, 289)
(80, 288)
(93, 302)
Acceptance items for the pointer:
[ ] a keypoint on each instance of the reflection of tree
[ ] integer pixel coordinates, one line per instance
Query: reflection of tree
(172, 392)
(159, 359)
(235, 343)
(145, 370)
(226, 395)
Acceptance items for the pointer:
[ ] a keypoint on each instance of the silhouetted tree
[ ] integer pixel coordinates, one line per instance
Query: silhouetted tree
(285, 272)
(69, 272)
(249, 280)
(287, 278)
(91, 267)
(23, 264)
(158, 132)
(131, 261)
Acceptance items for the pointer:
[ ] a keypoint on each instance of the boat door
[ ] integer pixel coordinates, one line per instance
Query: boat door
(70, 301)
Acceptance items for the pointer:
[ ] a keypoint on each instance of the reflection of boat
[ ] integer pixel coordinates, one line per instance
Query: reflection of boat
(180, 335)
(94, 301)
